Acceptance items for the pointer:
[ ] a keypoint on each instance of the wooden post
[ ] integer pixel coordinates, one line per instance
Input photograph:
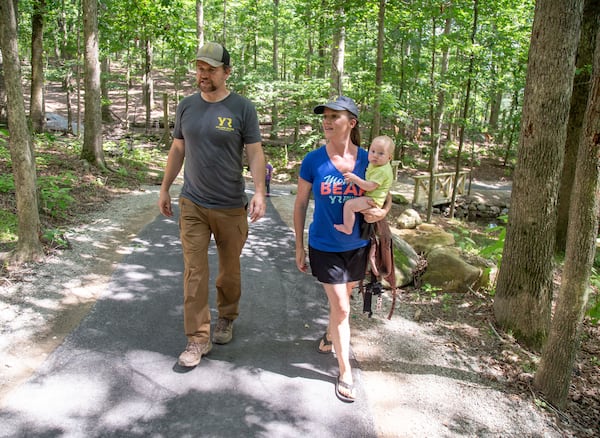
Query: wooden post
(166, 139)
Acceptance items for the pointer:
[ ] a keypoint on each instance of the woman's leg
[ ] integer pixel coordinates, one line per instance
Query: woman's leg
(339, 326)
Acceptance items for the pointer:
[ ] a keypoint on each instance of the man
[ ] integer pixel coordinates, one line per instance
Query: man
(212, 128)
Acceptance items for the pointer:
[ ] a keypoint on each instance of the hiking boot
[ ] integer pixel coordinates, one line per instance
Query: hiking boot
(223, 331)
(193, 353)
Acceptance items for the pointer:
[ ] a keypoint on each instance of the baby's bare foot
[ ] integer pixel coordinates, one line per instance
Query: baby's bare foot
(342, 229)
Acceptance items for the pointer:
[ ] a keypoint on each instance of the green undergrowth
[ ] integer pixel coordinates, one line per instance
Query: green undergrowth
(68, 187)
(489, 244)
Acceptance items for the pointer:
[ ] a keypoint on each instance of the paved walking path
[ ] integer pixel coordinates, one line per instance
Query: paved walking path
(116, 373)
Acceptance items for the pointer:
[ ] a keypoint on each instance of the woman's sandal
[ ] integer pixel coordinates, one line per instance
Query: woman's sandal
(348, 388)
(325, 346)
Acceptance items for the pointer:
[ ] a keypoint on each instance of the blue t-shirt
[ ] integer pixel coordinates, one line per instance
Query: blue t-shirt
(330, 192)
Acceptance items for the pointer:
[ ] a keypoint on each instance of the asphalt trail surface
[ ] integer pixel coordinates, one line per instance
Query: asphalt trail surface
(116, 374)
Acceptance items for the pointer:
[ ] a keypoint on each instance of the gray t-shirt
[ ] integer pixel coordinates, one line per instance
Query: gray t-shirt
(215, 135)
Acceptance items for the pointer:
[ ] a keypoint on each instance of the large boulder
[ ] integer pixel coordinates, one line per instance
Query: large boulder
(489, 271)
(426, 237)
(405, 260)
(447, 270)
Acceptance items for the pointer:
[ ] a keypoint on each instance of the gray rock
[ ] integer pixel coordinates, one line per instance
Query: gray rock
(409, 219)
(446, 269)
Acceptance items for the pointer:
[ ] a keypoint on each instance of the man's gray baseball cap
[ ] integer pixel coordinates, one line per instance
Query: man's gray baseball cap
(214, 54)
(340, 104)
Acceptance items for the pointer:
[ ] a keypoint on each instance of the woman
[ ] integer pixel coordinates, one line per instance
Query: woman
(337, 260)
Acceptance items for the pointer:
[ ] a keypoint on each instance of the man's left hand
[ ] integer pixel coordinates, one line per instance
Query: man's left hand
(257, 207)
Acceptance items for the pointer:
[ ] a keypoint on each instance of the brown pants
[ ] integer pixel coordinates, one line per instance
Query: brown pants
(230, 228)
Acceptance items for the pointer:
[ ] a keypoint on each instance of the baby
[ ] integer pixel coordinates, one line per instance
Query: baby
(379, 179)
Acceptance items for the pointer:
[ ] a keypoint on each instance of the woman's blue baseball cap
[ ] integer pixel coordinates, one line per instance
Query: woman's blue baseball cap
(340, 104)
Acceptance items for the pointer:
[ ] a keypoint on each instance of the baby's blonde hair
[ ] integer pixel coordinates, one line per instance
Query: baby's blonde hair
(389, 143)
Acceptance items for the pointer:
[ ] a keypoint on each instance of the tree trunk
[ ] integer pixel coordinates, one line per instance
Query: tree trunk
(376, 127)
(148, 82)
(465, 113)
(274, 107)
(166, 139)
(78, 74)
(433, 158)
(36, 105)
(69, 91)
(127, 87)
(91, 150)
(29, 247)
(338, 52)
(513, 127)
(61, 50)
(524, 289)
(3, 110)
(323, 33)
(495, 107)
(105, 66)
(225, 22)
(581, 87)
(437, 116)
(554, 374)
(199, 24)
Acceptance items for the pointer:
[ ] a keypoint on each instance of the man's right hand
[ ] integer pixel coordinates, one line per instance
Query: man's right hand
(164, 204)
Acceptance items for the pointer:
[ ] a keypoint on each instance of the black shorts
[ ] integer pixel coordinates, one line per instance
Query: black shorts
(338, 267)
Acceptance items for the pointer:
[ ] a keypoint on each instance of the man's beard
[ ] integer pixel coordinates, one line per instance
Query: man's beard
(206, 86)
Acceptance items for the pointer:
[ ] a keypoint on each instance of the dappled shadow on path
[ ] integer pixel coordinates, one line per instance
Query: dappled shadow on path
(114, 375)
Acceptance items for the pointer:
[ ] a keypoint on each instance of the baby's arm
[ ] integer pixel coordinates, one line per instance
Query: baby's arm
(367, 186)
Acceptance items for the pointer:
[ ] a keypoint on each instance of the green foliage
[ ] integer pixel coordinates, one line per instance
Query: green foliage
(4, 151)
(63, 194)
(593, 310)
(305, 43)
(8, 228)
(55, 197)
(494, 250)
(470, 239)
(56, 239)
(432, 290)
(7, 183)
(464, 240)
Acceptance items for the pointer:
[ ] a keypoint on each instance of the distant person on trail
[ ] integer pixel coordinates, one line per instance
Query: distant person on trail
(377, 183)
(212, 129)
(337, 260)
(268, 177)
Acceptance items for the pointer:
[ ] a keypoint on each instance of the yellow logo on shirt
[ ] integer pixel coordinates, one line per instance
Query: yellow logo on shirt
(225, 124)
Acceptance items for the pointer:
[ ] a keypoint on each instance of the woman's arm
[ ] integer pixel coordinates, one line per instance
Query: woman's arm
(375, 214)
(300, 209)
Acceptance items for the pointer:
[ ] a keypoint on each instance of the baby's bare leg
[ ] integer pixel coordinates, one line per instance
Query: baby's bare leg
(351, 207)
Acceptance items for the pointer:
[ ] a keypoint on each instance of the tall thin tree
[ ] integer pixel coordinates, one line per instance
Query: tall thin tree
(92, 135)
(338, 55)
(21, 148)
(275, 54)
(465, 112)
(199, 23)
(36, 106)
(376, 127)
(436, 112)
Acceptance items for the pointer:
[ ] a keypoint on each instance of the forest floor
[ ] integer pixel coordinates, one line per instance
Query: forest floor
(31, 328)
